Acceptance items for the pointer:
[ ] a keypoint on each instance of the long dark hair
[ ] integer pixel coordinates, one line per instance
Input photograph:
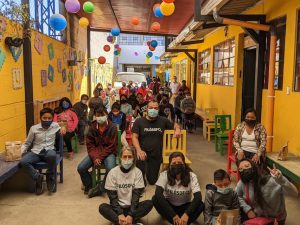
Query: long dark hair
(184, 177)
(259, 180)
(60, 109)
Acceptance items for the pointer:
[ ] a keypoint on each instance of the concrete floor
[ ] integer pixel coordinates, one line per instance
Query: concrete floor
(70, 206)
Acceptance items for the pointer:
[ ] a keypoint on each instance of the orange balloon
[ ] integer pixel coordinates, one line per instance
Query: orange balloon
(135, 20)
(155, 26)
(169, 1)
(101, 60)
(151, 48)
(155, 6)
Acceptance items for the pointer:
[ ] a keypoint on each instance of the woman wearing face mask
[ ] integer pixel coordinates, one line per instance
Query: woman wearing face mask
(65, 116)
(101, 144)
(250, 139)
(262, 196)
(174, 189)
(124, 185)
(81, 110)
(125, 106)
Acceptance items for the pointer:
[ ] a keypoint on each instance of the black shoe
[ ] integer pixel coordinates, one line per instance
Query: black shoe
(39, 185)
(50, 182)
(96, 191)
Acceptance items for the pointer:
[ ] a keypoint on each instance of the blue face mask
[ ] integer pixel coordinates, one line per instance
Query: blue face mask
(46, 124)
(152, 113)
(66, 105)
(126, 164)
(224, 191)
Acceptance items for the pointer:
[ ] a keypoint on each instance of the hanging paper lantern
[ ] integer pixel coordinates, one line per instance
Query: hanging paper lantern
(158, 13)
(135, 20)
(72, 6)
(155, 6)
(155, 26)
(58, 22)
(106, 48)
(115, 31)
(151, 48)
(102, 60)
(167, 9)
(153, 43)
(84, 22)
(169, 1)
(88, 7)
(150, 54)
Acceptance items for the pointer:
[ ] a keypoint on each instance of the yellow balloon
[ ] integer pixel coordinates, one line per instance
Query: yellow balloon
(84, 22)
(147, 61)
(167, 9)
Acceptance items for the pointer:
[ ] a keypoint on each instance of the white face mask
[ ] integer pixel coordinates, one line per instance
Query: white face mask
(126, 164)
(84, 101)
(101, 119)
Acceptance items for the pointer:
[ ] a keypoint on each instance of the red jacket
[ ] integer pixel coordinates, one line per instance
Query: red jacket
(124, 91)
(142, 91)
(100, 145)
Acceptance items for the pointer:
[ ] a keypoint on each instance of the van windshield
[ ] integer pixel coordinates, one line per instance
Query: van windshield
(131, 77)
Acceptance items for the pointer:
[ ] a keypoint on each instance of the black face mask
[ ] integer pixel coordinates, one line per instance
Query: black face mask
(177, 169)
(164, 101)
(123, 101)
(247, 175)
(250, 123)
(46, 124)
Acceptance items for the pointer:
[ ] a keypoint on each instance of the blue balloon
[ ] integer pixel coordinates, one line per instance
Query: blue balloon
(116, 52)
(58, 22)
(149, 54)
(158, 13)
(115, 31)
(153, 43)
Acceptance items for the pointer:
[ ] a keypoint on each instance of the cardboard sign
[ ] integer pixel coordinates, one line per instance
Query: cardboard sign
(17, 78)
(50, 51)
(44, 78)
(15, 52)
(50, 73)
(2, 58)
(38, 43)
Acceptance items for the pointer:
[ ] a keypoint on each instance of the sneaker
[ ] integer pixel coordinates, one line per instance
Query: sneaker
(96, 191)
(50, 182)
(39, 185)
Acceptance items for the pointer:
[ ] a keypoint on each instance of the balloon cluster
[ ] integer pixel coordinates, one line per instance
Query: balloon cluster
(117, 51)
(152, 45)
(166, 8)
(111, 39)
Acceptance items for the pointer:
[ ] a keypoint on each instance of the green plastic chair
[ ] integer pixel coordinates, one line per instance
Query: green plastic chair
(222, 127)
(99, 172)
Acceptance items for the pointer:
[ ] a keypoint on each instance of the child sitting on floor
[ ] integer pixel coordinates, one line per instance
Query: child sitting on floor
(219, 196)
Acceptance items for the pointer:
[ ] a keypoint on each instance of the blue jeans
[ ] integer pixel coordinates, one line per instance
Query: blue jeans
(87, 163)
(30, 158)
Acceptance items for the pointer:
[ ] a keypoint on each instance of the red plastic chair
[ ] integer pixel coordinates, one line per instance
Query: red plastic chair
(128, 129)
(231, 157)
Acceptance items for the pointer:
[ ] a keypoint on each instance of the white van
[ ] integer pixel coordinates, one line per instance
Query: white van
(136, 78)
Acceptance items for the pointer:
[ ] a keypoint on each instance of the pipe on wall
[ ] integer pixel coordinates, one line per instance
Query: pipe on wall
(271, 92)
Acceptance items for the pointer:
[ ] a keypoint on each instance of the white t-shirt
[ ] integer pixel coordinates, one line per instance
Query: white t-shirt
(178, 194)
(124, 183)
(174, 87)
(248, 142)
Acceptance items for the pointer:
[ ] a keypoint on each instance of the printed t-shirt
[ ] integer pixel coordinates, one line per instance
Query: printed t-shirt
(178, 194)
(151, 134)
(124, 183)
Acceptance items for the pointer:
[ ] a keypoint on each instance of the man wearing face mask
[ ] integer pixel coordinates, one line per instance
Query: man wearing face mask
(81, 109)
(147, 138)
(143, 90)
(166, 109)
(43, 138)
(250, 139)
(101, 143)
(219, 196)
(177, 104)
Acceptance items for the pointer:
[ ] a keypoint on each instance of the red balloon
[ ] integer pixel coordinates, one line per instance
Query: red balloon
(148, 43)
(106, 48)
(135, 20)
(102, 60)
(151, 48)
(169, 1)
(155, 26)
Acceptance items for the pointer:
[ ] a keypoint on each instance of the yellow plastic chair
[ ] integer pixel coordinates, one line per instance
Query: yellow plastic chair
(172, 144)
(209, 122)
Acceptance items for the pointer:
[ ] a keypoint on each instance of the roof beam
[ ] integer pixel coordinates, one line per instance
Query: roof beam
(253, 34)
(113, 11)
(192, 42)
(133, 32)
(211, 25)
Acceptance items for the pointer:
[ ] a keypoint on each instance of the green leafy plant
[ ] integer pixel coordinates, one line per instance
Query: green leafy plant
(16, 14)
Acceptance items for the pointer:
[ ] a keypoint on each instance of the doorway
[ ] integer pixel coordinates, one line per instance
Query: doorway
(248, 95)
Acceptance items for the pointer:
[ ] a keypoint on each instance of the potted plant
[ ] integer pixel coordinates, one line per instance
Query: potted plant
(16, 14)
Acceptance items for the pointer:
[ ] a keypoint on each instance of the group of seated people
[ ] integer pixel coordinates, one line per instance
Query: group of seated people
(178, 199)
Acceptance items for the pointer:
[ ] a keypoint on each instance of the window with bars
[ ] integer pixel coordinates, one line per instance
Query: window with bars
(204, 67)
(224, 60)
(280, 28)
(297, 69)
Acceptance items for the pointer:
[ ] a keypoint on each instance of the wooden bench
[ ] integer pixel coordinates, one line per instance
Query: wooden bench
(40, 104)
(289, 168)
(7, 169)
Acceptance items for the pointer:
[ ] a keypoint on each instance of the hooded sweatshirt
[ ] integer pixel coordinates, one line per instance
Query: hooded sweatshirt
(272, 193)
(215, 202)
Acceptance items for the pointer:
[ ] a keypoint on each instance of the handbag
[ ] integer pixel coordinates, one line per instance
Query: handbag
(13, 151)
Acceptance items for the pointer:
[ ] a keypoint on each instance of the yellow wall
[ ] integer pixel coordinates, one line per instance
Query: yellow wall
(12, 102)
(228, 99)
